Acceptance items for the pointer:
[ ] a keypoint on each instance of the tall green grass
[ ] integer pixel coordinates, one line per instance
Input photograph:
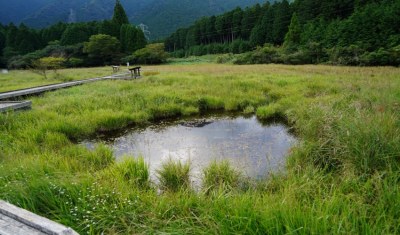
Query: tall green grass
(220, 175)
(136, 171)
(174, 176)
(342, 178)
(20, 79)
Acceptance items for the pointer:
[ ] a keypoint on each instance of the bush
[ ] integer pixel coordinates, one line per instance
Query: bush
(74, 62)
(297, 58)
(235, 46)
(382, 57)
(151, 54)
(350, 55)
(102, 49)
(262, 55)
(48, 63)
(223, 59)
(178, 53)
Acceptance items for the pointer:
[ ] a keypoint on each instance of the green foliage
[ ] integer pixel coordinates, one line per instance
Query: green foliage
(102, 48)
(151, 54)
(20, 46)
(74, 62)
(132, 38)
(382, 57)
(293, 36)
(119, 18)
(223, 59)
(315, 30)
(48, 63)
(110, 28)
(346, 55)
(174, 176)
(22, 62)
(75, 33)
(262, 55)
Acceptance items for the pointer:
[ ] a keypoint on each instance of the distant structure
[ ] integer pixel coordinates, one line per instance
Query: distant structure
(72, 16)
(145, 30)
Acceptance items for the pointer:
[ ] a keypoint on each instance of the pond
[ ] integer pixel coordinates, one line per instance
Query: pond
(253, 147)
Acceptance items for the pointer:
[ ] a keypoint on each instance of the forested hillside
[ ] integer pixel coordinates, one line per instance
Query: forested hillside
(306, 31)
(21, 46)
(162, 17)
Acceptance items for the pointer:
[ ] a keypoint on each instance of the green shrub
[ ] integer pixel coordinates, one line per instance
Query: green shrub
(74, 62)
(151, 54)
(382, 57)
(44, 64)
(261, 55)
(226, 58)
(297, 58)
(350, 55)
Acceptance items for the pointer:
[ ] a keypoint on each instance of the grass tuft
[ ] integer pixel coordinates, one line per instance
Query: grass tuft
(135, 171)
(101, 157)
(273, 110)
(220, 175)
(174, 176)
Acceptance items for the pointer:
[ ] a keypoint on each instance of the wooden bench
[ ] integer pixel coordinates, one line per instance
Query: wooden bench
(115, 69)
(135, 72)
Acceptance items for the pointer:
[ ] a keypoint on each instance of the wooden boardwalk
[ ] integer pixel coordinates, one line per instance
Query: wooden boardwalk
(14, 105)
(41, 89)
(17, 221)
(6, 106)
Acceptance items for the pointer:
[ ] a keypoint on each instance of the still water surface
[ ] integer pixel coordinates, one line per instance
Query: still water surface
(251, 146)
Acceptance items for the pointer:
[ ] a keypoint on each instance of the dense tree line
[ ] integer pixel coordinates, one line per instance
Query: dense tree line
(332, 29)
(20, 45)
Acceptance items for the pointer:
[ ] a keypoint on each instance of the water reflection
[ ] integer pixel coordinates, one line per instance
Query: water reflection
(252, 147)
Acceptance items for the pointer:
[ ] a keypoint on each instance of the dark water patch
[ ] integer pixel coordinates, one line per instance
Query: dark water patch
(254, 147)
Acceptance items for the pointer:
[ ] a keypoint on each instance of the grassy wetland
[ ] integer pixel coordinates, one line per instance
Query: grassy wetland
(20, 79)
(343, 177)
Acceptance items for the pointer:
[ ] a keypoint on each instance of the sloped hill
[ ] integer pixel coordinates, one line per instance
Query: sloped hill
(161, 16)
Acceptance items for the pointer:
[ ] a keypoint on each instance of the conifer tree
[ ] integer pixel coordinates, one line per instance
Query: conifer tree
(281, 22)
(2, 42)
(293, 36)
(119, 18)
(75, 33)
(140, 40)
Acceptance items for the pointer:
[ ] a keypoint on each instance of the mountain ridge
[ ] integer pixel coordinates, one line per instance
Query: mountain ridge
(162, 16)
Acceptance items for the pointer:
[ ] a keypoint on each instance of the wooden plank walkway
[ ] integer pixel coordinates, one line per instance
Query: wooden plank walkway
(41, 89)
(17, 221)
(14, 105)
(6, 106)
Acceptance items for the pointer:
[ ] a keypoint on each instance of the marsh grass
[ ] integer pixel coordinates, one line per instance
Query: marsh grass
(342, 178)
(20, 79)
(174, 176)
(135, 171)
(220, 175)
